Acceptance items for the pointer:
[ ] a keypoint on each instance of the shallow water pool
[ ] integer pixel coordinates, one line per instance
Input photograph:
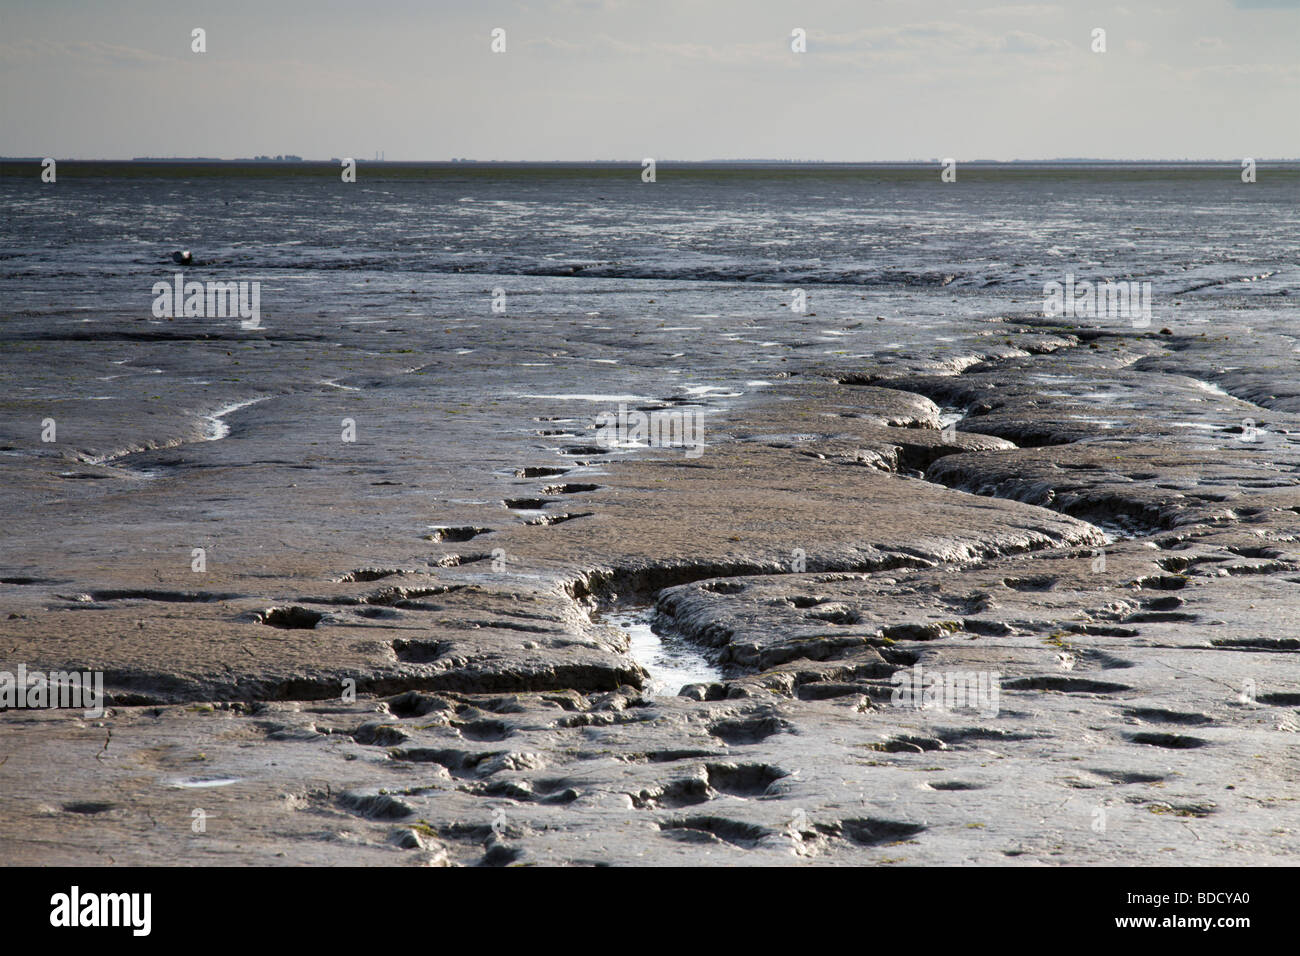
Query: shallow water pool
(671, 661)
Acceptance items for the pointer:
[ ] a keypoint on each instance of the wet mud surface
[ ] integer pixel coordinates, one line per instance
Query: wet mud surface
(403, 650)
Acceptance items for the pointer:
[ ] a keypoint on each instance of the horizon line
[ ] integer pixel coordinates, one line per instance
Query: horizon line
(458, 161)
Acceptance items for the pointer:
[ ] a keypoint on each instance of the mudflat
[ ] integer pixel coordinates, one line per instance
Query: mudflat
(993, 589)
(369, 577)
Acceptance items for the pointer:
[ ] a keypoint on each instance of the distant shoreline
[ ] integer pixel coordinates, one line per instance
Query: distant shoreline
(708, 163)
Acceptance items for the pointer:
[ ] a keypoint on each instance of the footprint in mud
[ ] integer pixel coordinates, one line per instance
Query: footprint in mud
(416, 651)
(871, 831)
(748, 730)
(668, 756)
(1065, 685)
(458, 763)
(415, 704)
(88, 807)
(1103, 630)
(743, 780)
(1155, 617)
(1168, 741)
(549, 786)
(908, 744)
(955, 785)
(539, 471)
(1161, 716)
(1281, 699)
(1130, 776)
(376, 734)
(680, 793)
(291, 618)
(527, 504)
(1102, 660)
(1178, 563)
(460, 560)
(521, 792)
(376, 806)
(486, 729)
(1258, 643)
(1039, 582)
(602, 719)
(368, 574)
(572, 488)
(1162, 582)
(544, 520)
(966, 735)
(456, 535)
(715, 830)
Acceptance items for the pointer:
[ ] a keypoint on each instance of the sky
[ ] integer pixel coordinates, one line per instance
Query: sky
(668, 79)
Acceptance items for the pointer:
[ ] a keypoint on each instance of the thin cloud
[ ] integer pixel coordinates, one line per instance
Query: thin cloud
(82, 52)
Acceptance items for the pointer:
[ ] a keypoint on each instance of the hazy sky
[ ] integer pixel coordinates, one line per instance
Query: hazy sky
(672, 79)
